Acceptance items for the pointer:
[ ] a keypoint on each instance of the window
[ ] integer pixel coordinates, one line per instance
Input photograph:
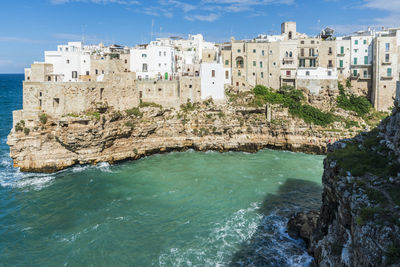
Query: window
(302, 52)
(238, 50)
(87, 72)
(355, 73)
(312, 63)
(342, 50)
(387, 58)
(226, 62)
(290, 54)
(254, 51)
(102, 71)
(290, 35)
(330, 51)
(341, 63)
(389, 72)
(144, 67)
(287, 54)
(239, 62)
(262, 52)
(355, 61)
(74, 74)
(262, 74)
(159, 54)
(239, 74)
(40, 94)
(261, 64)
(356, 42)
(311, 52)
(330, 65)
(365, 42)
(96, 71)
(365, 73)
(302, 42)
(49, 78)
(302, 63)
(67, 61)
(312, 42)
(254, 63)
(213, 73)
(329, 73)
(144, 55)
(365, 60)
(307, 73)
(387, 46)
(56, 102)
(165, 54)
(288, 73)
(254, 74)
(226, 74)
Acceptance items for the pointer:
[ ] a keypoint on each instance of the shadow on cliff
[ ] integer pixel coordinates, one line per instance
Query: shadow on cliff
(270, 245)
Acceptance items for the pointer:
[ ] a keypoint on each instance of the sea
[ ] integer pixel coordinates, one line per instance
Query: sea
(178, 209)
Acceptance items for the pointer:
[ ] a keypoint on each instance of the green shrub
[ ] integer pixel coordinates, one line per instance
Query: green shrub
(134, 111)
(74, 115)
(26, 131)
(43, 118)
(129, 124)
(376, 196)
(19, 126)
(95, 115)
(292, 99)
(358, 104)
(188, 106)
(149, 104)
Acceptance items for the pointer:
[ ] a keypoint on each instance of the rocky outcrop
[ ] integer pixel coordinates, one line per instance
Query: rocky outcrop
(359, 220)
(109, 136)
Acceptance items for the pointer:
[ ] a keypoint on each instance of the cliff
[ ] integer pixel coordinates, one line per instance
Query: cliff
(105, 135)
(359, 220)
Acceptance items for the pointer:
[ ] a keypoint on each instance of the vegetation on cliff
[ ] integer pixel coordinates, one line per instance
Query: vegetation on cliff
(294, 100)
(351, 102)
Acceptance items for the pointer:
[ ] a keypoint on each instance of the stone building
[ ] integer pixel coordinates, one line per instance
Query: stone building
(385, 69)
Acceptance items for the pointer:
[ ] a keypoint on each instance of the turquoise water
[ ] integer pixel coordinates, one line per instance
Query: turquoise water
(177, 209)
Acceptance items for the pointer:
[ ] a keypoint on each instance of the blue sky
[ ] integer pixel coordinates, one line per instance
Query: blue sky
(29, 27)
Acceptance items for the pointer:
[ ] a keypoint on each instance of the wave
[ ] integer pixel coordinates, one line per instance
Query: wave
(245, 239)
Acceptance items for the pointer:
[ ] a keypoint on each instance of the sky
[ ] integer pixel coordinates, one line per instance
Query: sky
(30, 27)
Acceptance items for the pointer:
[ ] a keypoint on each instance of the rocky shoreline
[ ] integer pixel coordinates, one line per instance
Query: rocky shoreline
(110, 136)
(359, 220)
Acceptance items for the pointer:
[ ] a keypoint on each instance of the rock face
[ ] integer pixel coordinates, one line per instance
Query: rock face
(359, 220)
(108, 136)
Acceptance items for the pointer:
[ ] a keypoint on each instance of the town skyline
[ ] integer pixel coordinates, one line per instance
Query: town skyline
(110, 21)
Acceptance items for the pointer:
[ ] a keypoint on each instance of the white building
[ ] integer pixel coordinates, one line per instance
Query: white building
(361, 55)
(152, 61)
(212, 80)
(343, 57)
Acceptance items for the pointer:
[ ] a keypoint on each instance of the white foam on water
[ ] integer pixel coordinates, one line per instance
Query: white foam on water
(217, 248)
(102, 166)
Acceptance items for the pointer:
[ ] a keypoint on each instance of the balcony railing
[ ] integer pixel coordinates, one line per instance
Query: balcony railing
(386, 63)
(365, 77)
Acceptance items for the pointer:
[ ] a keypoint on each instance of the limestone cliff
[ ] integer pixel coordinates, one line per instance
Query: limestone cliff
(359, 220)
(104, 135)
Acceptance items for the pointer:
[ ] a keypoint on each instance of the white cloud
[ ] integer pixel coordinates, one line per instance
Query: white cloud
(210, 18)
(388, 5)
(19, 39)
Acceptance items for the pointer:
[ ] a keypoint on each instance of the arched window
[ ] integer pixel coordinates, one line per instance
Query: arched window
(290, 54)
(144, 68)
(239, 62)
(290, 35)
(287, 54)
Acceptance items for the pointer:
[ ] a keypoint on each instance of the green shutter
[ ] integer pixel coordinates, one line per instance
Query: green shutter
(365, 41)
(355, 72)
(254, 63)
(355, 61)
(342, 50)
(356, 42)
(366, 60)
(389, 72)
(341, 63)
(261, 65)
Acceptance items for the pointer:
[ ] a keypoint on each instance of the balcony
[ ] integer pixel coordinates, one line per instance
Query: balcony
(330, 66)
(308, 56)
(354, 77)
(386, 77)
(386, 63)
(340, 54)
(365, 77)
